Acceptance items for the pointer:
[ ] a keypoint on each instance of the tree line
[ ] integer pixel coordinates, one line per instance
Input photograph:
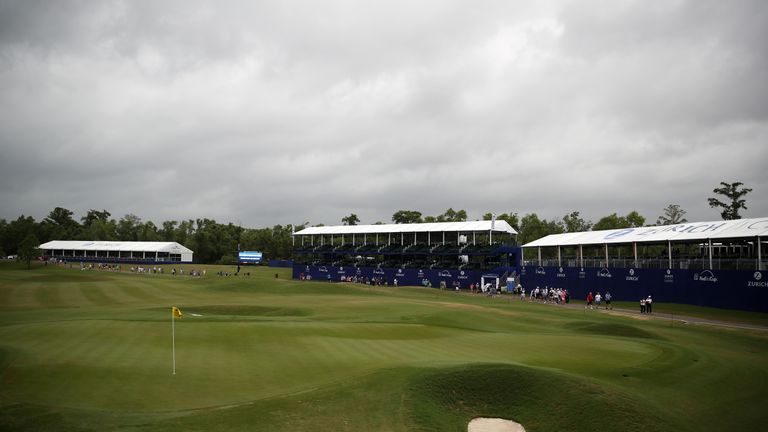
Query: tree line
(212, 242)
(215, 242)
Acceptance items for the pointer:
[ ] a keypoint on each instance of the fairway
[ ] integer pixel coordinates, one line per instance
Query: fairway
(91, 350)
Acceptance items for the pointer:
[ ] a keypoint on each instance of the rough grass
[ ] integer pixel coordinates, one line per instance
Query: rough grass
(86, 351)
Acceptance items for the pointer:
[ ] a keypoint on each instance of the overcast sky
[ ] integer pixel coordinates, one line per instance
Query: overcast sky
(262, 113)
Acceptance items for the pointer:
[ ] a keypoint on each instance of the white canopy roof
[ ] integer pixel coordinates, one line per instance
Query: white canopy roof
(170, 247)
(694, 231)
(476, 226)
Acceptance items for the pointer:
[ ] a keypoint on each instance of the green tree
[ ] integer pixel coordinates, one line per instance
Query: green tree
(352, 219)
(98, 226)
(60, 225)
(452, 215)
(15, 232)
(168, 231)
(673, 215)
(633, 219)
(572, 222)
(128, 228)
(533, 228)
(406, 216)
(94, 216)
(28, 249)
(734, 201)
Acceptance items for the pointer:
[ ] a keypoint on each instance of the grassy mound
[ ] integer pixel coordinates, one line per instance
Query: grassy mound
(540, 400)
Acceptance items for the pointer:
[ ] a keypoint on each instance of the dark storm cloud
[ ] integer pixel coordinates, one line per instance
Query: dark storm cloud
(286, 112)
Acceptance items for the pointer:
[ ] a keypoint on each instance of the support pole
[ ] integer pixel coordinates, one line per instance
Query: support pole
(669, 252)
(759, 256)
(581, 256)
(710, 253)
(606, 255)
(539, 248)
(559, 262)
(634, 247)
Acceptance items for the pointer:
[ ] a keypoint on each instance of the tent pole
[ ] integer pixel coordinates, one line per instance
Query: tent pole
(606, 255)
(634, 246)
(669, 251)
(581, 256)
(710, 253)
(539, 247)
(559, 263)
(759, 256)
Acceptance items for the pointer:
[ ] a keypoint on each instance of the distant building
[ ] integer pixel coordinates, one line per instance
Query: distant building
(116, 251)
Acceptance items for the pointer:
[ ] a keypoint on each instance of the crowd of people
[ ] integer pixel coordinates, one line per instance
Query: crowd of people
(546, 294)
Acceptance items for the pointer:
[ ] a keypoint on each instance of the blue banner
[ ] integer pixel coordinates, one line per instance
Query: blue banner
(404, 277)
(730, 289)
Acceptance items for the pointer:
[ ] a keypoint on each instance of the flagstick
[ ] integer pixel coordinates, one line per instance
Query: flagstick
(173, 339)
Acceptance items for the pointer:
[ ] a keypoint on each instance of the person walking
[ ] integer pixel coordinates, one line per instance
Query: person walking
(608, 300)
(589, 300)
(649, 304)
(642, 305)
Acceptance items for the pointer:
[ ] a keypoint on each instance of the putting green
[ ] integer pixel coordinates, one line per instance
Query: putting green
(92, 350)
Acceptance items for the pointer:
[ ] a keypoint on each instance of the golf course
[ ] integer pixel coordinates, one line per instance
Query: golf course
(92, 351)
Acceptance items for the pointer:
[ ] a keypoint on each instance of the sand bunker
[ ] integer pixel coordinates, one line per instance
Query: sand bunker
(481, 424)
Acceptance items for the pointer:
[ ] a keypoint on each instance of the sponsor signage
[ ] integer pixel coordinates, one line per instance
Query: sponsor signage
(669, 277)
(632, 277)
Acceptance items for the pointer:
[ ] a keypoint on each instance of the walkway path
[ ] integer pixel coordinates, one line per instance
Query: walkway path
(683, 319)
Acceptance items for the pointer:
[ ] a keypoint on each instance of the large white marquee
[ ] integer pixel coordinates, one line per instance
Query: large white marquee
(118, 249)
(685, 232)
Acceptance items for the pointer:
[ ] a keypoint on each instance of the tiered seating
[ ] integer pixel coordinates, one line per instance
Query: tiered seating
(324, 248)
(345, 247)
(368, 248)
(391, 249)
(448, 248)
(417, 249)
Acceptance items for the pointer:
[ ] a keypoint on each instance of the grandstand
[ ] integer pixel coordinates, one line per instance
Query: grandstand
(119, 252)
(449, 252)
(719, 264)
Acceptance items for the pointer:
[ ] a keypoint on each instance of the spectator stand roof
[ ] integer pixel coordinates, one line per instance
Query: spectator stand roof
(684, 232)
(460, 227)
(125, 246)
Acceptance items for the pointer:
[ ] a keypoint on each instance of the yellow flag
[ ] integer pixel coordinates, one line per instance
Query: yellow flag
(176, 312)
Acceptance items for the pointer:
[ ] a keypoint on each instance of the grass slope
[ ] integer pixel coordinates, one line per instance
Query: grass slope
(88, 351)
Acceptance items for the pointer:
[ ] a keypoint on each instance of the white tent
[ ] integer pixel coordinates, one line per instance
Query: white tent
(157, 251)
(464, 227)
(694, 231)
(701, 232)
